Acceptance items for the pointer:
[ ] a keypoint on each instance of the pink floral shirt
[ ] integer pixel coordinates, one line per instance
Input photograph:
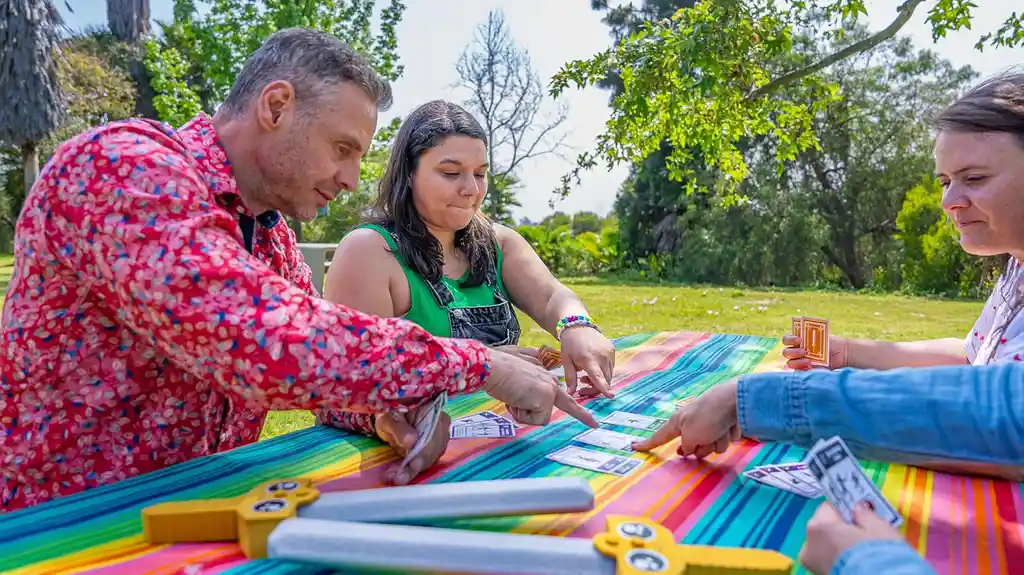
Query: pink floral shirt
(139, 330)
(996, 330)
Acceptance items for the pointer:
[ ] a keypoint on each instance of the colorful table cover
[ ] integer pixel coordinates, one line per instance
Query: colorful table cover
(962, 525)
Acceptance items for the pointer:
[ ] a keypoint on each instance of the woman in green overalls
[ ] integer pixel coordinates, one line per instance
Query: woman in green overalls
(427, 254)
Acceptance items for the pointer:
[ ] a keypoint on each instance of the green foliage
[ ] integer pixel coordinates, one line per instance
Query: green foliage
(567, 253)
(198, 57)
(217, 44)
(175, 101)
(934, 262)
(501, 197)
(705, 79)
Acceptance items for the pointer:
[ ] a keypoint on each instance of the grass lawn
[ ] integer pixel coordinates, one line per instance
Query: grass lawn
(620, 310)
(6, 267)
(623, 309)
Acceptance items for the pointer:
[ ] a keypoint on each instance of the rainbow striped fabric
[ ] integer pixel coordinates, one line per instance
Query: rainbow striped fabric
(962, 525)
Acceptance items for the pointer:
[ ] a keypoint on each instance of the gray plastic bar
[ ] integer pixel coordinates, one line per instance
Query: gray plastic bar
(412, 504)
(344, 544)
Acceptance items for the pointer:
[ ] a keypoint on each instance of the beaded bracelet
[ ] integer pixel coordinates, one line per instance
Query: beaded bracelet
(573, 321)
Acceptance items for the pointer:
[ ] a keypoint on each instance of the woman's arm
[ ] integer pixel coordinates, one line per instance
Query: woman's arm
(360, 274)
(969, 417)
(536, 291)
(531, 285)
(871, 354)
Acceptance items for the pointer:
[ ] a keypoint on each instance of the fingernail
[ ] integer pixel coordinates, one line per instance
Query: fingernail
(402, 478)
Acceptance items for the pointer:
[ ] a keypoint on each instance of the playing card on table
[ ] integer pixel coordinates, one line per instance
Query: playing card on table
(483, 417)
(595, 460)
(609, 439)
(426, 422)
(794, 482)
(762, 476)
(634, 420)
(800, 471)
(845, 484)
(482, 430)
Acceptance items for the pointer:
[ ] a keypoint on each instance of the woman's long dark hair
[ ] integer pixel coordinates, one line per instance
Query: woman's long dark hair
(995, 105)
(426, 127)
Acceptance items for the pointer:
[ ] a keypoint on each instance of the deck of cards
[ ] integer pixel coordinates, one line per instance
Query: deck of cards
(813, 334)
(483, 424)
(426, 422)
(829, 469)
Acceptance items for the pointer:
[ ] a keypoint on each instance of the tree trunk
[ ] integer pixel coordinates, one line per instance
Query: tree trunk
(128, 21)
(144, 91)
(30, 161)
(842, 252)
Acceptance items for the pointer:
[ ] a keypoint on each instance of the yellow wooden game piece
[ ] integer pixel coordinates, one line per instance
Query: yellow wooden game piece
(248, 519)
(641, 546)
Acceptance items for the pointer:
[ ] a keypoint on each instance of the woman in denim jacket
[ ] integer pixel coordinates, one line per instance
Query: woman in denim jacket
(955, 416)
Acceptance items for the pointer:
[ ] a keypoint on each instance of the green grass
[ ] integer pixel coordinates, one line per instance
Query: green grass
(620, 309)
(6, 267)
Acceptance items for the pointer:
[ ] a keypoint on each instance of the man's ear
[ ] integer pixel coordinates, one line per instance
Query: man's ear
(275, 107)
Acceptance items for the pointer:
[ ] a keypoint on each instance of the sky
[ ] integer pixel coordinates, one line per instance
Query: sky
(433, 33)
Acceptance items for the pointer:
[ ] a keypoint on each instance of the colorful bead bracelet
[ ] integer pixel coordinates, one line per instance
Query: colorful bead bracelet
(573, 321)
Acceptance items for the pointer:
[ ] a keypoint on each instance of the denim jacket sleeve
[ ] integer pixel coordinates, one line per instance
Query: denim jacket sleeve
(881, 556)
(968, 414)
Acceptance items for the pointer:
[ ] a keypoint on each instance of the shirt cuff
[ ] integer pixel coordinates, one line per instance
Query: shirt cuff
(875, 556)
(772, 406)
(362, 423)
(468, 366)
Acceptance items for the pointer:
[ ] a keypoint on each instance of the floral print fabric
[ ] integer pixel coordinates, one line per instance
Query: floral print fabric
(139, 331)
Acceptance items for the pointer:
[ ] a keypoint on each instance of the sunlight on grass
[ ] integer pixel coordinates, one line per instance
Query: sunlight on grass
(624, 309)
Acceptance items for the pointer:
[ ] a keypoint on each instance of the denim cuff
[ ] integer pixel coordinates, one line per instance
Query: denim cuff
(772, 406)
(889, 556)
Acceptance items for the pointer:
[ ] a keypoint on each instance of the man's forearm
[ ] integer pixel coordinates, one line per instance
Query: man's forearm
(915, 416)
(871, 354)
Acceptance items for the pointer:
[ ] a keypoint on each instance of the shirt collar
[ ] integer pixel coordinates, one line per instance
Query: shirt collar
(200, 139)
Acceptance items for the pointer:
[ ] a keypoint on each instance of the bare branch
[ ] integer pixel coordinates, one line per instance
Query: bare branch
(906, 11)
(508, 98)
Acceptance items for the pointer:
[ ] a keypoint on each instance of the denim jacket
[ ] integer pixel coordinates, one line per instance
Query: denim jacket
(952, 416)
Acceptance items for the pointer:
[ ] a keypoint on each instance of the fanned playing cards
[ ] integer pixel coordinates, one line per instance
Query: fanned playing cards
(813, 333)
(844, 482)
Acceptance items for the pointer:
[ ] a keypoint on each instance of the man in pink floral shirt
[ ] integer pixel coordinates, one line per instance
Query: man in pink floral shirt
(159, 307)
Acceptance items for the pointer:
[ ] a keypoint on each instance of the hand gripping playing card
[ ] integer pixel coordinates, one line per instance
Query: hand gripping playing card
(845, 484)
(815, 340)
(426, 421)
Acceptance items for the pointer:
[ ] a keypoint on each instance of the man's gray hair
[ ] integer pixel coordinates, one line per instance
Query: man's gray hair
(310, 60)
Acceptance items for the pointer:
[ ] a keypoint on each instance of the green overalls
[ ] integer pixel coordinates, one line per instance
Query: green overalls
(445, 308)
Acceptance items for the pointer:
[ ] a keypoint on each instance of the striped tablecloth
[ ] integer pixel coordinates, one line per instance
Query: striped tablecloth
(961, 525)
